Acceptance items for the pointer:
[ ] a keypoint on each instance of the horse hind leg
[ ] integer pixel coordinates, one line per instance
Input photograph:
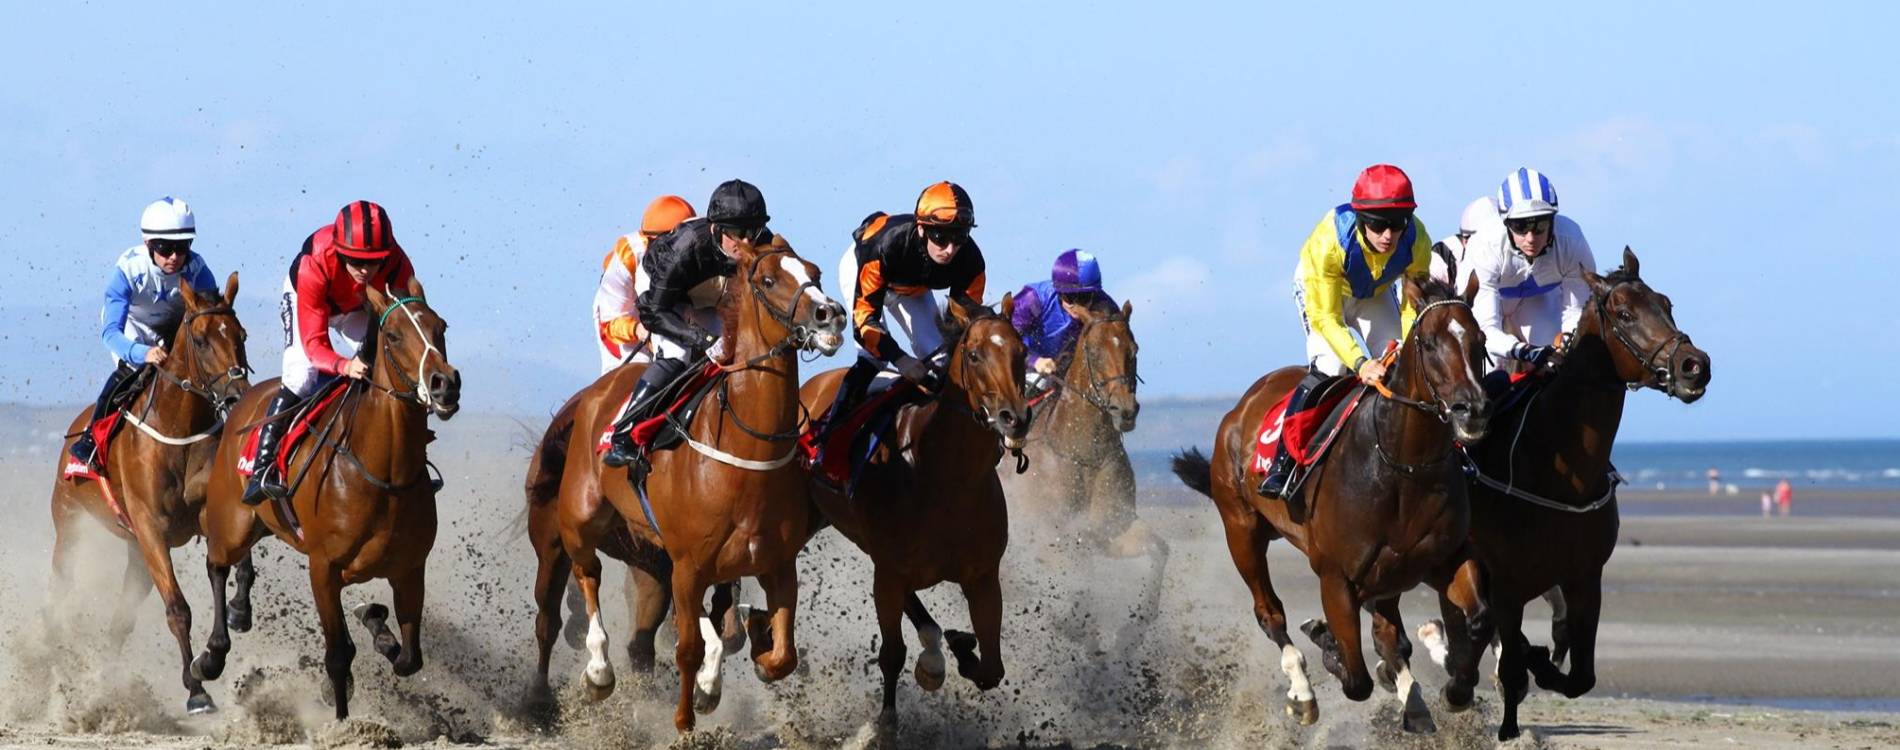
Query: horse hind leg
(550, 581)
(1247, 545)
(238, 614)
(1457, 641)
(891, 600)
(1513, 682)
(134, 585)
(650, 596)
(1559, 625)
(599, 672)
(984, 595)
(404, 654)
(731, 614)
(930, 664)
(326, 587)
(1388, 631)
(210, 664)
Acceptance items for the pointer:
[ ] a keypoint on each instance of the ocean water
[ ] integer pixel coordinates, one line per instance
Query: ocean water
(1751, 465)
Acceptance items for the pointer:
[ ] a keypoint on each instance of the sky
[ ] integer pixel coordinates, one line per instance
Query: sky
(1749, 154)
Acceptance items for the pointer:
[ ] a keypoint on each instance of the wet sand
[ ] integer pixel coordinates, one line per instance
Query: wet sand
(1715, 625)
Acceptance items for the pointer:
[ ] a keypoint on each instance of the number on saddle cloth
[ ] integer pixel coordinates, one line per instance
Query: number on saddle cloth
(1310, 432)
(304, 418)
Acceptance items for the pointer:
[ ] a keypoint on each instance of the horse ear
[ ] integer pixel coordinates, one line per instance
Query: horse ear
(190, 295)
(230, 288)
(1128, 310)
(1598, 286)
(414, 288)
(957, 314)
(1471, 288)
(1414, 296)
(1008, 305)
(1630, 264)
(378, 301)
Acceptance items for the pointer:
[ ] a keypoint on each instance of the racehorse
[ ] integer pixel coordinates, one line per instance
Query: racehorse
(159, 469)
(1386, 510)
(726, 506)
(362, 505)
(929, 508)
(1543, 503)
(1080, 481)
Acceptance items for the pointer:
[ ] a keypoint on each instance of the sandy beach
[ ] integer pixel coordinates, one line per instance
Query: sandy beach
(1720, 629)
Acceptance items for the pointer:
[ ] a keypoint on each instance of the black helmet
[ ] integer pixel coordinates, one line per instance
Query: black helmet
(736, 203)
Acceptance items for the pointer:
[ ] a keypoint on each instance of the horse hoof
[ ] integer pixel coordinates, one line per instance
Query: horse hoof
(1507, 732)
(1419, 723)
(1306, 711)
(207, 667)
(539, 706)
(930, 670)
(1457, 700)
(238, 618)
(963, 646)
(600, 683)
(704, 702)
(200, 705)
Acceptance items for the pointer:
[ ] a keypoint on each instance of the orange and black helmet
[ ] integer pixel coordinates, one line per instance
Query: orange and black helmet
(945, 204)
(362, 231)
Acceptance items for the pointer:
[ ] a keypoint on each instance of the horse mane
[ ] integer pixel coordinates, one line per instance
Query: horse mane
(1433, 290)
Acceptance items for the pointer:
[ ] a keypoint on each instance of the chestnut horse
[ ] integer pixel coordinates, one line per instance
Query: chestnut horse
(1543, 503)
(728, 504)
(157, 467)
(361, 492)
(929, 508)
(1385, 511)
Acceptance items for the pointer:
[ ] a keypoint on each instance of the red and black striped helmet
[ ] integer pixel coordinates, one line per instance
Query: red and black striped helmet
(362, 231)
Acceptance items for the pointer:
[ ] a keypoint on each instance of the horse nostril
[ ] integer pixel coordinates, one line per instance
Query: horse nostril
(1691, 366)
(1007, 417)
(822, 314)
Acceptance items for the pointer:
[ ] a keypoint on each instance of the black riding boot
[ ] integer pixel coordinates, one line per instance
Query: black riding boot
(84, 448)
(265, 481)
(851, 390)
(1281, 470)
(621, 450)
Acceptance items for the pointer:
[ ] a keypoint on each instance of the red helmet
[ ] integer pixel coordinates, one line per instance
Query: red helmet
(362, 231)
(1382, 186)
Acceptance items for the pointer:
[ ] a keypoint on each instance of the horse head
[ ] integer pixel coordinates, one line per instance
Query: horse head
(210, 359)
(783, 301)
(1649, 349)
(986, 367)
(412, 353)
(1106, 349)
(1445, 356)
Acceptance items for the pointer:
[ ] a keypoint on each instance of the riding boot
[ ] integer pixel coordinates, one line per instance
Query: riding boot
(1281, 470)
(850, 391)
(85, 449)
(266, 482)
(621, 451)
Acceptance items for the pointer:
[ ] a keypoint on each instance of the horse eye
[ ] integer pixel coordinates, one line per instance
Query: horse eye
(770, 281)
(1625, 316)
(972, 356)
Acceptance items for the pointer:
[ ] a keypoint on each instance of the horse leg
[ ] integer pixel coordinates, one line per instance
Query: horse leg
(575, 633)
(731, 615)
(688, 601)
(599, 672)
(930, 664)
(1559, 625)
(1247, 545)
(210, 664)
(984, 595)
(1513, 682)
(133, 586)
(408, 593)
(1338, 637)
(1457, 641)
(238, 614)
(649, 595)
(1584, 600)
(890, 597)
(781, 601)
(158, 564)
(1388, 634)
(550, 580)
(326, 587)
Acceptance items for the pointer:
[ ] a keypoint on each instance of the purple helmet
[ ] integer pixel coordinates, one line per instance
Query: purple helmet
(1076, 273)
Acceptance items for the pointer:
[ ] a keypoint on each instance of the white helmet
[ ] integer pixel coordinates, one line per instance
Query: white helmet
(1525, 194)
(168, 218)
(1481, 213)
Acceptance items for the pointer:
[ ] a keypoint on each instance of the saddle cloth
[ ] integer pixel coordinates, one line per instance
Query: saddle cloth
(1308, 433)
(302, 422)
(682, 397)
(848, 446)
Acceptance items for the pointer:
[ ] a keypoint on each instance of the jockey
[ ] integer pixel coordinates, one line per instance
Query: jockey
(896, 261)
(616, 325)
(1344, 287)
(1450, 252)
(142, 304)
(684, 272)
(1530, 273)
(1046, 311)
(323, 296)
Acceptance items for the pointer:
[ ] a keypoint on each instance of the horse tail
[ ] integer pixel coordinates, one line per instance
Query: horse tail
(1194, 470)
(550, 456)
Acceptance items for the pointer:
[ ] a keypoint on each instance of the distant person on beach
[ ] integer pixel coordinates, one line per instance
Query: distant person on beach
(1784, 496)
(1767, 504)
(1715, 481)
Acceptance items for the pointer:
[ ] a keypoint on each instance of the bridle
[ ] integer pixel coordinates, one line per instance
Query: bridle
(1659, 377)
(415, 393)
(1437, 406)
(797, 337)
(981, 414)
(1094, 394)
(220, 391)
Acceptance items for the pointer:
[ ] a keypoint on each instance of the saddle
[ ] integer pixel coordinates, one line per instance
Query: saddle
(304, 419)
(667, 428)
(107, 426)
(1310, 433)
(852, 442)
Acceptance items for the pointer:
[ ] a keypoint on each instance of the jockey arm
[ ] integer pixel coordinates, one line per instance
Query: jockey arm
(1324, 278)
(669, 265)
(617, 294)
(117, 308)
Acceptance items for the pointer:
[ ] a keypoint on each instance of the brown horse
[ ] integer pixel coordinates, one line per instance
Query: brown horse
(729, 504)
(157, 469)
(1384, 512)
(928, 506)
(361, 492)
(1543, 504)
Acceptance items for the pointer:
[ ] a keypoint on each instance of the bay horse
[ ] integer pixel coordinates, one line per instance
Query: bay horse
(159, 465)
(363, 503)
(1543, 503)
(728, 504)
(929, 507)
(1385, 511)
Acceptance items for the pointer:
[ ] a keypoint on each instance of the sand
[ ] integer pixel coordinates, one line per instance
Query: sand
(1720, 629)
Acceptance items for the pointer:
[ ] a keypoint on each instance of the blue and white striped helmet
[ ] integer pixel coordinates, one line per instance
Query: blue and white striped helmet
(1526, 193)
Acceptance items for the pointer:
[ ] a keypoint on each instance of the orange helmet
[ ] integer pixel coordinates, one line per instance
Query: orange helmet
(945, 204)
(664, 213)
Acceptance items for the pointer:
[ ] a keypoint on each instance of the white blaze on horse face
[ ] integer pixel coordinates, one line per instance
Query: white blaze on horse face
(600, 672)
(996, 338)
(1294, 664)
(707, 678)
(1457, 330)
(795, 268)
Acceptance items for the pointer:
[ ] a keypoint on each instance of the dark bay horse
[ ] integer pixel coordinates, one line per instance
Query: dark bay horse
(728, 504)
(1543, 506)
(157, 467)
(929, 508)
(361, 492)
(1384, 512)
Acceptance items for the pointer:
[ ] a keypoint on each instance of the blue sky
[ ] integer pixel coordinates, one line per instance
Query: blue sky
(1746, 153)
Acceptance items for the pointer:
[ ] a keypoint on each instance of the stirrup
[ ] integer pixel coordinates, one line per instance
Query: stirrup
(619, 455)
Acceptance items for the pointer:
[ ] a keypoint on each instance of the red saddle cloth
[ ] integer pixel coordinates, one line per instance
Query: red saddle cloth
(101, 439)
(1305, 442)
(834, 457)
(300, 427)
(648, 429)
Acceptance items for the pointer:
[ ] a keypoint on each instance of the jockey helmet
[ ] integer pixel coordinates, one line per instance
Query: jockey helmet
(736, 203)
(168, 218)
(1076, 272)
(1526, 194)
(362, 230)
(945, 204)
(664, 213)
(1383, 187)
(1478, 214)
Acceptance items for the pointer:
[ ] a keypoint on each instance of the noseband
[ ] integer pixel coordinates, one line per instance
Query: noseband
(1660, 377)
(214, 391)
(1437, 406)
(415, 393)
